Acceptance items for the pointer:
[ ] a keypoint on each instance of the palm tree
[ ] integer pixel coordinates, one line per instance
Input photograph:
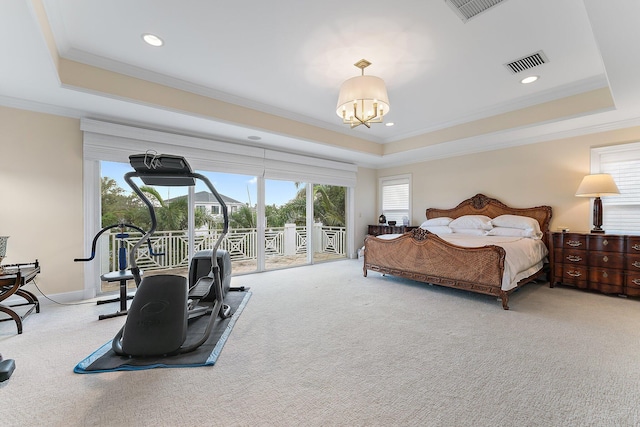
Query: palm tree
(328, 205)
(244, 217)
(174, 215)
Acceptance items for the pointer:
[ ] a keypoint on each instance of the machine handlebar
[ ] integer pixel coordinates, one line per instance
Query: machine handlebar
(122, 226)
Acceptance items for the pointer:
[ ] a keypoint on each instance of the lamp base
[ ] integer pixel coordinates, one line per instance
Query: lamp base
(598, 231)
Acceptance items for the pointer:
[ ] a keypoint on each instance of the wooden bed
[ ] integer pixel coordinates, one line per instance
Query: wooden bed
(422, 256)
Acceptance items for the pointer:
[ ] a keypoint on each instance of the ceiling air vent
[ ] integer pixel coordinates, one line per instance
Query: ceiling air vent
(527, 62)
(467, 9)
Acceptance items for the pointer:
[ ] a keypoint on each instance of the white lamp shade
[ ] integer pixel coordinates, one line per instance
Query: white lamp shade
(369, 89)
(597, 185)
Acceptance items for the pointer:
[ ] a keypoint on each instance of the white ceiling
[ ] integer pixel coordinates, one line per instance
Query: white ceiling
(289, 57)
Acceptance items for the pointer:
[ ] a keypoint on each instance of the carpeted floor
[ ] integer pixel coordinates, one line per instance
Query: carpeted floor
(324, 346)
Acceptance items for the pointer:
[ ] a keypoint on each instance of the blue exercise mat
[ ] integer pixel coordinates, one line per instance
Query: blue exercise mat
(105, 360)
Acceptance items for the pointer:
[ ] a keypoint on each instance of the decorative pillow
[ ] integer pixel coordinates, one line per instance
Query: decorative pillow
(517, 221)
(481, 222)
(514, 232)
(438, 229)
(470, 231)
(443, 220)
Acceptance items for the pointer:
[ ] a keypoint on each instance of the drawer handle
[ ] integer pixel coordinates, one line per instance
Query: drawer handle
(605, 258)
(604, 274)
(636, 282)
(574, 243)
(574, 258)
(605, 242)
(574, 273)
(636, 264)
(636, 247)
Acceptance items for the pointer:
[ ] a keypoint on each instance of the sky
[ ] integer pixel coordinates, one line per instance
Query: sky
(239, 187)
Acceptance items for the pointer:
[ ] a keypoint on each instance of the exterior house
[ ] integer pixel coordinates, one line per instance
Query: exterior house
(204, 201)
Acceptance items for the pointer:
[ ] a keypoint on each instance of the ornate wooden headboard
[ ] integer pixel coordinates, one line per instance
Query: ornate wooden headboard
(483, 205)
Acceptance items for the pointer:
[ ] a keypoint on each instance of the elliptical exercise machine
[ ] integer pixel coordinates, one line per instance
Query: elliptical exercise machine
(161, 310)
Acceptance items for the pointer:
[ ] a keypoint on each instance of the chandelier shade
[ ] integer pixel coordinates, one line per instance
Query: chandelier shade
(362, 99)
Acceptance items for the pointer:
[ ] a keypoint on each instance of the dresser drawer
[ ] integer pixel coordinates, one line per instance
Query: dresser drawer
(572, 274)
(570, 241)
(570, 256)
(632, 284)
(632, 263)
(606, 259)
(609, 277)
(633, 245)
(606, 243)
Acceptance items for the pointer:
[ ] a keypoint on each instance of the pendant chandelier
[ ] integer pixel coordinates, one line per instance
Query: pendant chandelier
(363, 99)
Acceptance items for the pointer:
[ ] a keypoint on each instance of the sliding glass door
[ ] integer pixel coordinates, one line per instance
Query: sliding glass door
(240, 194)
(285, 235)
(329, 224)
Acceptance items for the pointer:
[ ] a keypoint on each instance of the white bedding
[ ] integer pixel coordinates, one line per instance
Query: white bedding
(523, 256)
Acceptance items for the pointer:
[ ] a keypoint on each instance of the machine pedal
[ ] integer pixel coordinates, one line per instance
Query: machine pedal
(201, 288)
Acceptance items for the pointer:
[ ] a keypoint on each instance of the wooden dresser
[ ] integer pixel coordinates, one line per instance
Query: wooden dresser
(600, 262)
(376, 230)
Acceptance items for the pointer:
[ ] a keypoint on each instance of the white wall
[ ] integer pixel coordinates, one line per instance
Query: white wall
(41, 195)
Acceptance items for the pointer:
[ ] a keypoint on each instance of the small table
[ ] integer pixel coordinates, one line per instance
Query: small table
(13, 278)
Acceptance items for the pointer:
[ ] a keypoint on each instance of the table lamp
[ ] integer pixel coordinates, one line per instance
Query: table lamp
(597, 185)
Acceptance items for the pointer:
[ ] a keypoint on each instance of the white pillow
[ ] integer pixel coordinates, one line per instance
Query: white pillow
(438, 229)
(481, 222)
(514, 232)
(470, 231)
(443, 220)
(517, 221)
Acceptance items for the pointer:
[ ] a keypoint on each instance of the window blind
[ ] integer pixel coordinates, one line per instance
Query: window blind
(620, 213)
(115, 142)
(395, 197)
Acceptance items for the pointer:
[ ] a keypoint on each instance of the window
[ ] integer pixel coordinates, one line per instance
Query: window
(620, 213)
(201, 208)
(395, 198)
(215, 210)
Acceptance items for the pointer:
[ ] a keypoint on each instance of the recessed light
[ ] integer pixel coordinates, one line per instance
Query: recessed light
(254, 138)
(529, 79)
(389, 124)
(152, 40)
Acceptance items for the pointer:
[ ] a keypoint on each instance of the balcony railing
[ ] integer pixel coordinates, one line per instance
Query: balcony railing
(242, 245)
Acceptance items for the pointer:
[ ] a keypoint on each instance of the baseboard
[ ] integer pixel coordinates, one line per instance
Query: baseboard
(64, 298)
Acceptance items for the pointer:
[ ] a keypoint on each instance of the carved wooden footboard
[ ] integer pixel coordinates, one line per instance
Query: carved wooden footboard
(423, 256)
